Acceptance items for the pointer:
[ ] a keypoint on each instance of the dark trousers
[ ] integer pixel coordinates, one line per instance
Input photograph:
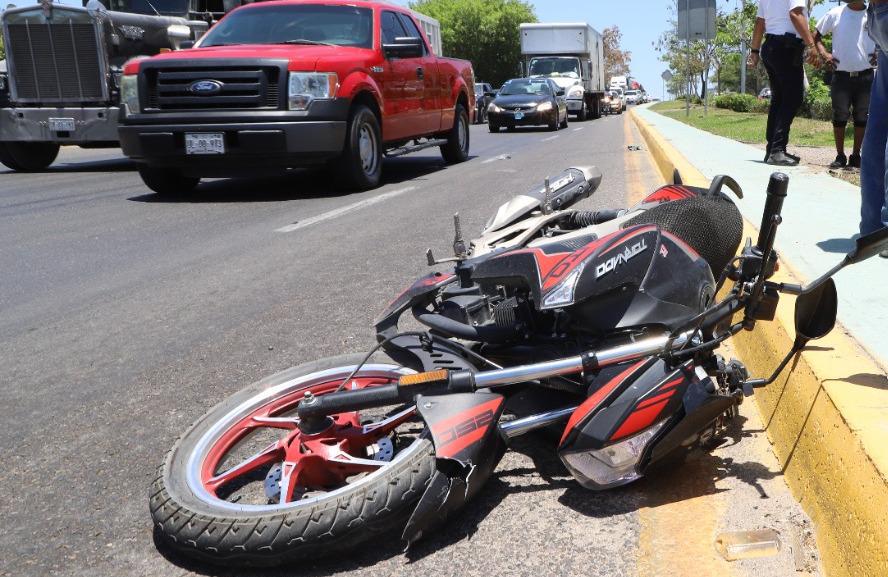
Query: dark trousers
(783, 57)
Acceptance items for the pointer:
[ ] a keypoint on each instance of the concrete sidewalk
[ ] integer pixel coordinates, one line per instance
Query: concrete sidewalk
(820, 218)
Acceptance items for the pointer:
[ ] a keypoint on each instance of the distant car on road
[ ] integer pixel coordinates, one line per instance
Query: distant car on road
(484, 95)
(765, 94)
(528, 102)
(633, 97)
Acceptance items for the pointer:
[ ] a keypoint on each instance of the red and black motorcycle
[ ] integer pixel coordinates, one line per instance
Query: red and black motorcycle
(604, 325)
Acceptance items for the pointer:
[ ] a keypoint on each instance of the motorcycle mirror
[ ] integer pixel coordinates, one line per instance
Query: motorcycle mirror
(815, 312)
(868, 246)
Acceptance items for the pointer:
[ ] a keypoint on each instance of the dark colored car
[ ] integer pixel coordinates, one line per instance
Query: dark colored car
(528, 102)
(484, 95)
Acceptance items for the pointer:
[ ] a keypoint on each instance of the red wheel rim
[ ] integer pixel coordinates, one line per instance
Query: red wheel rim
(307, 463)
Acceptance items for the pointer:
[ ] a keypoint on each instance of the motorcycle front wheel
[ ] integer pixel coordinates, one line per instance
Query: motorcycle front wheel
(244, 484)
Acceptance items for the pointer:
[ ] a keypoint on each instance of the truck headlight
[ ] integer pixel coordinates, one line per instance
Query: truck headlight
(575, 92)
(129, 93)
(545, 106)
(306, 87)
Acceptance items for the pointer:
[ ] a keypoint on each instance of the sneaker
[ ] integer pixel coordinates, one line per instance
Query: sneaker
(841, 161)
(854, 161)
(780, 158)
(793, 156)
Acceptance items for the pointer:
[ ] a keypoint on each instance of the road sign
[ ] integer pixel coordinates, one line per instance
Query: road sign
(696, 19)
(666, 76)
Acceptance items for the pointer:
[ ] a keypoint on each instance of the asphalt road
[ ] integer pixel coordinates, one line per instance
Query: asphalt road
(124, 317)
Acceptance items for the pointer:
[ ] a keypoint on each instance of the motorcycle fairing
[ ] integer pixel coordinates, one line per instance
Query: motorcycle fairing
(468, 446)
(387, 322)
(632, 401)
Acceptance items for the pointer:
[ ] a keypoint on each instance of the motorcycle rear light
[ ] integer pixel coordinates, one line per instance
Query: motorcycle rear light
(613, 465)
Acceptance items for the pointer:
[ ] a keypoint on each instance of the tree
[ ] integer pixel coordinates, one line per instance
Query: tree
(616, 60)
(484, 32)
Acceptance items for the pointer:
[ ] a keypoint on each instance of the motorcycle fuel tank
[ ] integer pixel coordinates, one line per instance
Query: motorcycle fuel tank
(634, 277)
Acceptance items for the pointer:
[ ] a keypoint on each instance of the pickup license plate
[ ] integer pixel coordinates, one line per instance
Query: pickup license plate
(204, 143)
(519, 115)
(61, 124)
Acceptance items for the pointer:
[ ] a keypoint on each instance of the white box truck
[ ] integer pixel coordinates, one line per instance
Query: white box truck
(571, 54)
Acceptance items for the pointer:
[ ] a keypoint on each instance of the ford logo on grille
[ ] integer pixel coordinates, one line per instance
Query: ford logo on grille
(205, 87)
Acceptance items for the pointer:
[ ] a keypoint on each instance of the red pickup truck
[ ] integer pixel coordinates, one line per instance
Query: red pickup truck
(295, 83)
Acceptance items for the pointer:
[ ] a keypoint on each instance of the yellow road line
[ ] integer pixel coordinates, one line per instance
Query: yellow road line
(677, 523)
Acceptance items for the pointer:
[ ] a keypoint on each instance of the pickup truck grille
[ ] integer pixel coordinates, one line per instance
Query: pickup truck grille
(238, 87)
(56, 62)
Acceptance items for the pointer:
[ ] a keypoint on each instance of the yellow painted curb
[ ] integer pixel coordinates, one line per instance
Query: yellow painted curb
(826, 416)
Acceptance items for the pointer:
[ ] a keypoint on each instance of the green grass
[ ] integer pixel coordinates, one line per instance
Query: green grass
(749, 126)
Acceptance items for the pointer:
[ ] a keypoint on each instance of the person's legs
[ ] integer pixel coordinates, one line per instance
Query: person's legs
(776, 93)
(861, 102)
(792, 77)
(873, 213)
(840, 94)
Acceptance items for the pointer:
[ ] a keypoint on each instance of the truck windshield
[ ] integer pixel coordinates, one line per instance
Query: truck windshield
(525, 86)
(555, 67)
(164, 7)
(294, 24)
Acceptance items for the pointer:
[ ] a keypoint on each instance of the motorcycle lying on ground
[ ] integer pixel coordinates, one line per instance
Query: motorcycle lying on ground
(603, 325)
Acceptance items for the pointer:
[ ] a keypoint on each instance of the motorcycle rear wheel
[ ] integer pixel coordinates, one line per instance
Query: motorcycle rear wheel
(198, 515)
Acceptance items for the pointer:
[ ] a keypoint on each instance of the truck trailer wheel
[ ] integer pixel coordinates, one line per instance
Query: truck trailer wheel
(167, 180)
(457, 147)
(360, 165)
(28, 156)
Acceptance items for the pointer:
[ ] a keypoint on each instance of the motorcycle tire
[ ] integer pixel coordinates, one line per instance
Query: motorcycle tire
(215, 530)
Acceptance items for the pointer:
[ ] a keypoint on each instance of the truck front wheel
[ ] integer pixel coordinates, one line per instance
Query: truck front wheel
(360, 165)
(167, 180)
(581, 115)
(28, 156)
(457, 147)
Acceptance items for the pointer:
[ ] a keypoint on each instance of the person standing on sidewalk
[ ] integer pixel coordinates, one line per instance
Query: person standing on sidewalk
(784, 26)
(851, 62)
(873, 180)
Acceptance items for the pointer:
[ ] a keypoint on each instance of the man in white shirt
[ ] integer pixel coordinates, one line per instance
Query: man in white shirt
(784, 25)
(851, 61)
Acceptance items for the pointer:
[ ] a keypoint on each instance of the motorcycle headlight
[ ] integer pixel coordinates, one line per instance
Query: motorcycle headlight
(129, 93)
(613, 465)
(494, 108)
(575, 92)
(306, 87)
(543, 107)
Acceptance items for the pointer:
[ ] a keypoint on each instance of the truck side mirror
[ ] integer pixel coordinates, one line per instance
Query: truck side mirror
(559, 92)
(404, 47)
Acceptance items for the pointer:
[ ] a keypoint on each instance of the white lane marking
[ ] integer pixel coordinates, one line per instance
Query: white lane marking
(344, 210)
(495, 158)
(579, 129)
(550, 138)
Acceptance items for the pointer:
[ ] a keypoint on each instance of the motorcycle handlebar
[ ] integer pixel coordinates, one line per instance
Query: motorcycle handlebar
(777, 186)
